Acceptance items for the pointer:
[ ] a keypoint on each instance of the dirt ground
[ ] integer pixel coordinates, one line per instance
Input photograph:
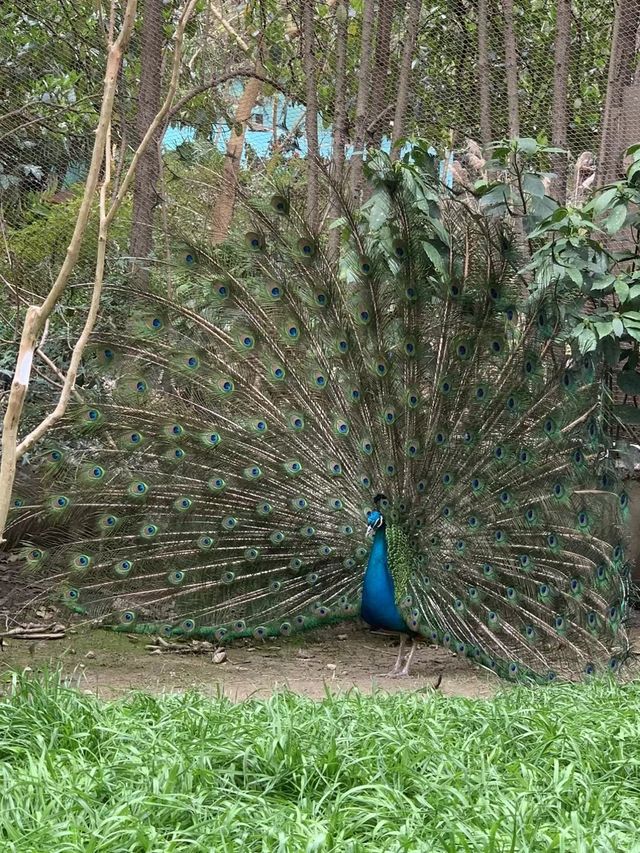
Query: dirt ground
(336, 659)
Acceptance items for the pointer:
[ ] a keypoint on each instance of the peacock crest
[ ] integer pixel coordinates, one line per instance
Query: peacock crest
(238, 443)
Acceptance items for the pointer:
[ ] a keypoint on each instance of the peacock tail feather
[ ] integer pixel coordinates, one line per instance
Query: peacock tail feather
(221, 472)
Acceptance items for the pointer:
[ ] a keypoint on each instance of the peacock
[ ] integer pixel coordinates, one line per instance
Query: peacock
(393, 430)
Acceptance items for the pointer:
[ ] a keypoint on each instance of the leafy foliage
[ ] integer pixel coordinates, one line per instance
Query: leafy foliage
(596, 284)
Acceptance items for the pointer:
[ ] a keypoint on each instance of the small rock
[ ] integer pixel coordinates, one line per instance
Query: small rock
(331, 666)
(90, 655)
(156, 652)
(220, 656)
(81, 666)
(342, 636)
(73, 652)
(302, 653)
(344, 672)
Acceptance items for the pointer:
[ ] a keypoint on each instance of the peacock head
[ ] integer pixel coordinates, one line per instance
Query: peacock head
(375, 519)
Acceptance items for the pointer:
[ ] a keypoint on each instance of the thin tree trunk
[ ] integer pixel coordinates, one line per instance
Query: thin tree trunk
(560, 106)
(484, 74)
(37, 315)
(404, 78)
(362, 100)
(274, 122)
(339, 117)
(511, 68)
(379, 100)
(145, 190)
(226, 199)
(621, 70)
(311, 118)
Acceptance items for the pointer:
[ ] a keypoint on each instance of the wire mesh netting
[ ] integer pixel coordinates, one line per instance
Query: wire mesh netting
(304, 83)
(449, 72)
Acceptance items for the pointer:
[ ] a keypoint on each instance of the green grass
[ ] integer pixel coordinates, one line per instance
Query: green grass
(555, 768)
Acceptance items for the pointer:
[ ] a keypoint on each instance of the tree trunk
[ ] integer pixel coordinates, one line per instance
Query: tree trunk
(311, 118)
(226, 199)
(362, 100)
(511, 68)
(404, 78)
(621, 73)
(379, 110)
(560, 107)
(145, 191)
(339, 117)
(484, 74)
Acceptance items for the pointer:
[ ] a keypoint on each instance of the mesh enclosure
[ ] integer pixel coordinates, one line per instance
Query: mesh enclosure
(305, 83)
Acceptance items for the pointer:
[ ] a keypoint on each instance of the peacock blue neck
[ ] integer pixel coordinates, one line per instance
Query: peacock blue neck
(379, 606)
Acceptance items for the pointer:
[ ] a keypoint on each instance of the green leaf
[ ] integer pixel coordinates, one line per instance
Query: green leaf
(633, 333)
(603, 282)
(622, 290)
(634, 291)
(533, 185)
(618, 327)
(575, 275)
(604, 328)
(587, 341)
(616, 218)
(434, 256)
(527, 145)
(379, 211)
(603, 200)
(633, 170)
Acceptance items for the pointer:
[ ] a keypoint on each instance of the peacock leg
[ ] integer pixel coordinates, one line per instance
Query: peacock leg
(398, 664)
(412, 651)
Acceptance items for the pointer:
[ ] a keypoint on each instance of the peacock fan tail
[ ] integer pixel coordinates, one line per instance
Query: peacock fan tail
(219, 477)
